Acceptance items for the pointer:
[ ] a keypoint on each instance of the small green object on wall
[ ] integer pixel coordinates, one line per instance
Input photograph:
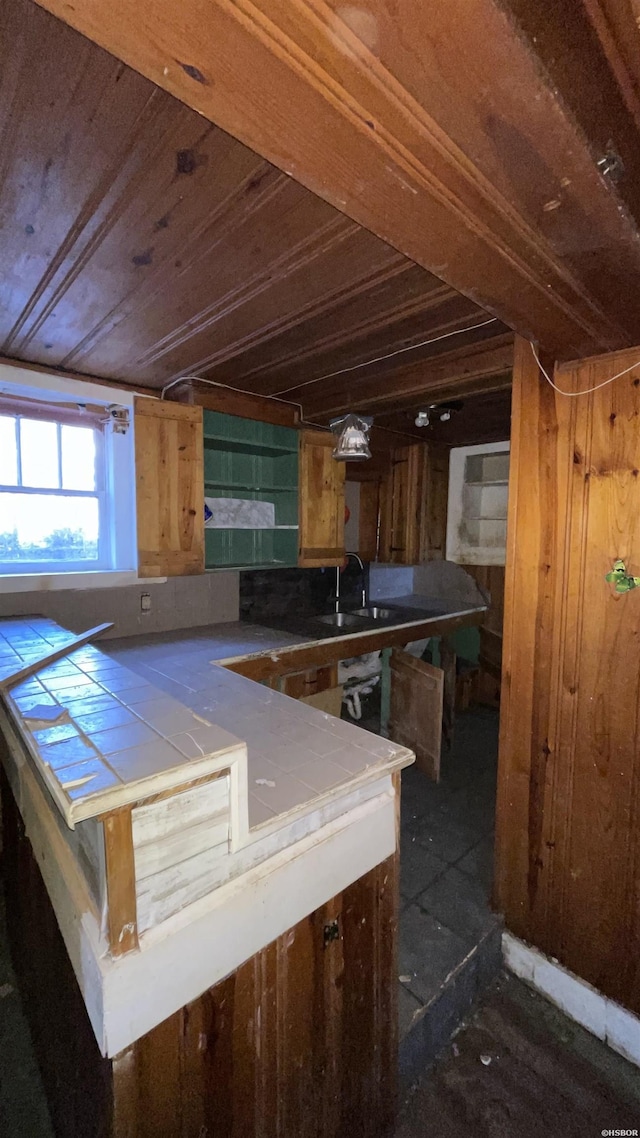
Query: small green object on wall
(622, 580)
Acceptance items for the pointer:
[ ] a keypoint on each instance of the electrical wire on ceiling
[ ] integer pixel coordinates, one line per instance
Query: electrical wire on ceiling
(227, 387)
(354, 367)
(588, 390)
(389, 356)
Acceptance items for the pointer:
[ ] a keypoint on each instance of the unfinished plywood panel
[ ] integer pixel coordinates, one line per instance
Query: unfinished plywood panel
(169, 488)
(416, 709)
(321, 508)
(179, 843)
(329, 701)
(568, 836)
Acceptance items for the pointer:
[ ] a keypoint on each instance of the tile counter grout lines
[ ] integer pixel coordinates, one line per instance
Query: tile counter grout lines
(120, 736)
(305, 752)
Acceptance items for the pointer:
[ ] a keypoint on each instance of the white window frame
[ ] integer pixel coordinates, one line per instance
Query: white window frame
(104, 556)
(457, 549)
(117, 545)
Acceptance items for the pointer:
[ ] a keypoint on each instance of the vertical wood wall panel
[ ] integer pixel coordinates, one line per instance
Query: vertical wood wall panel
(437, 495)
(568, 841)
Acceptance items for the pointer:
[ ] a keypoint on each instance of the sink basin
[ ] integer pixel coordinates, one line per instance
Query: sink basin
(340, 619)
(376, 612)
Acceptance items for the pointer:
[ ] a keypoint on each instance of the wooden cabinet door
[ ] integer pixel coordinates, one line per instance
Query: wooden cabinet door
(437, 497)
(169, 488)
(321, 501)
(417, 690)
(404, 506)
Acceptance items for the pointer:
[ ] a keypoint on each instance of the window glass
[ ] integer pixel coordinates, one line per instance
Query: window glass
(39, 453)
(48, 527)
(78, 447)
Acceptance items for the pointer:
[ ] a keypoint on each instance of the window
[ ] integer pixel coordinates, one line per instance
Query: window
(478, 499)
(67, 488)
(52, 498)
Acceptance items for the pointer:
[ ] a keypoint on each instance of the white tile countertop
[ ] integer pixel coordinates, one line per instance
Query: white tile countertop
(103, 734)
(100, 735)
(296, 754)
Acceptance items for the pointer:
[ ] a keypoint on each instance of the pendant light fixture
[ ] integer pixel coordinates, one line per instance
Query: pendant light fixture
(352, 435)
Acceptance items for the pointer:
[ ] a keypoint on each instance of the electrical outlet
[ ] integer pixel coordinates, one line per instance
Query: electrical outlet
(145, 602)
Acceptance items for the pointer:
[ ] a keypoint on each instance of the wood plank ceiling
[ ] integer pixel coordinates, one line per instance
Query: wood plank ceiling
(450, 130)
(140, 243)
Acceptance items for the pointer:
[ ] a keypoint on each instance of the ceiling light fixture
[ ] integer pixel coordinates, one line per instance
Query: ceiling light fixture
(437, 412)
(352, 434)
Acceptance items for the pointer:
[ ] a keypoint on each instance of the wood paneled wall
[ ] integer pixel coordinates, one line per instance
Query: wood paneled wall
(491, 579)
(568, 839)
(437, 494)
(300, 1042)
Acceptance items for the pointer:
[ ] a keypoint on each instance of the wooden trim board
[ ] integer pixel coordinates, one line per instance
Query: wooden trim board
(300, 657)
(121, 882)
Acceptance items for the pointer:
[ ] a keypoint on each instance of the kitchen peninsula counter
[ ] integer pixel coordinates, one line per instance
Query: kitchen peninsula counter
(181, 829)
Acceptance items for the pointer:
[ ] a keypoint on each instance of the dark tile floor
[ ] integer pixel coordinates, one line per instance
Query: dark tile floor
(446, 860)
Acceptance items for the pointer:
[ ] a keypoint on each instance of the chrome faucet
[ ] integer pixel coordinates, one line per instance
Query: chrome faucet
(364, 581)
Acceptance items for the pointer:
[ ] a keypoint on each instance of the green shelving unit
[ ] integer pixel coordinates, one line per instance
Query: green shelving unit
(257, 462)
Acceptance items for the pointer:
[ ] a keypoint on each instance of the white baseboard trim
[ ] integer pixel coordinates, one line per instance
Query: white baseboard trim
(617, 1027)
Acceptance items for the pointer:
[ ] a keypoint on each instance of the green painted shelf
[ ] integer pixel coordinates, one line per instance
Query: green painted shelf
(253, 461)
(209, 484)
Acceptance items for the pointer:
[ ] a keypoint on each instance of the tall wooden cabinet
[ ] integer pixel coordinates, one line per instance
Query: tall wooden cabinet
(169, 488)
(402, 516)
(321, 501)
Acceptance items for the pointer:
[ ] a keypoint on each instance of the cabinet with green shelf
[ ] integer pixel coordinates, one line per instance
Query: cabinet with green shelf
(253, 461)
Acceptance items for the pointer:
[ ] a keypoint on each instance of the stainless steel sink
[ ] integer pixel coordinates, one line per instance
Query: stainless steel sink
(376, 612)
(340, 619)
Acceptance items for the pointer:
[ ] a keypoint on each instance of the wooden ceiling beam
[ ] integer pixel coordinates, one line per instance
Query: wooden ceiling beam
(433, 125)
(592, 77)
(616, 24)
(478, 368)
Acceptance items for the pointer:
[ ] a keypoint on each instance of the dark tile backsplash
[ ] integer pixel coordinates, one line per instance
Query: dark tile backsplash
(276, 592)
